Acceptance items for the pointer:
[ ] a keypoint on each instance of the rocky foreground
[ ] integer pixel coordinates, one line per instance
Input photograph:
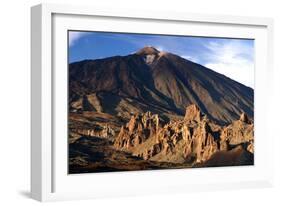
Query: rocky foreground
(194, 140)
(146, 142)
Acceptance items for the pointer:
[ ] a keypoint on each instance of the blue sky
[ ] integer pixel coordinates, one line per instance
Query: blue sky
(231, 57)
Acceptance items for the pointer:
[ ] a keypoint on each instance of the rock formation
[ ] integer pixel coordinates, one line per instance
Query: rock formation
(97, 131)
(137, 130)
(195, 139)
(239, 132)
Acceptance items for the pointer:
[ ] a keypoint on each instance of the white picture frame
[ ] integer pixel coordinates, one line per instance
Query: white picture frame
(49, 178)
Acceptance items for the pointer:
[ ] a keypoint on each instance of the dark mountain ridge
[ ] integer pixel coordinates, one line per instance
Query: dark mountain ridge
(160, 82)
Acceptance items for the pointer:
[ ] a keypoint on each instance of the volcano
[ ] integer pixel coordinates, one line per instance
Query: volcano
(161, 82)
(156, 110)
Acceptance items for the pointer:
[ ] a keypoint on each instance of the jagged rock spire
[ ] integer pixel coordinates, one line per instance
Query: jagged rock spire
(193, 113)
(244, 117)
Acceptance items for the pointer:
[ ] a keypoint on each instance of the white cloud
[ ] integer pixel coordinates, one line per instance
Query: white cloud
(190, 58)
(234, 59)
(73, 36)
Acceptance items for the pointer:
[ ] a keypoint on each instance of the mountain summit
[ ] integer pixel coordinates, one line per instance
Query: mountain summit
(152, 80)
(148, 50)
(150, 54)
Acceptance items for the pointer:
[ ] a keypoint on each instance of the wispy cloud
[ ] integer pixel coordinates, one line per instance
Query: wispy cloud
(233, 58)
(73, 36)
(190, 58)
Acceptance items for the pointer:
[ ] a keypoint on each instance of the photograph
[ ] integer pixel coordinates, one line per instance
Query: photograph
(157, 101)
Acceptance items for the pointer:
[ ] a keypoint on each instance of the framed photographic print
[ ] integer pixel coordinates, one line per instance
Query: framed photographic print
(137, 102)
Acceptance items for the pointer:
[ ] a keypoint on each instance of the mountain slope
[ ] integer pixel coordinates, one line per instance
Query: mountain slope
(155, 81)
